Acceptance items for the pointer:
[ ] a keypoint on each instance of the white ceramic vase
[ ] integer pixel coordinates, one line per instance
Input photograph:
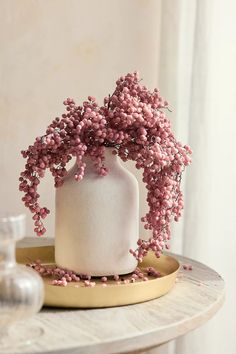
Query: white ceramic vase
(97, 220)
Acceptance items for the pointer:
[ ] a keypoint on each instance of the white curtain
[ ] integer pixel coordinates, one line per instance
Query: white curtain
(54, 49)
(198, 74)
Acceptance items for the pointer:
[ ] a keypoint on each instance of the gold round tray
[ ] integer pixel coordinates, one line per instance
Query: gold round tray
(78, 296)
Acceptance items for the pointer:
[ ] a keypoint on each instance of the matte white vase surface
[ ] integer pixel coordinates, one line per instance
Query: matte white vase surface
(97, 220)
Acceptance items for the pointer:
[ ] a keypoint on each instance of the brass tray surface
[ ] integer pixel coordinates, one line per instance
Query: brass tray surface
(76, 295)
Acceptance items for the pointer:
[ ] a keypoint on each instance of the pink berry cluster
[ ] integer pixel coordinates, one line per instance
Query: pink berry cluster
(62, 277)
(132, 121)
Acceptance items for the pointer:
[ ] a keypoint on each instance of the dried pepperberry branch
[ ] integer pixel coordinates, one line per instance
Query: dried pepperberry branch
(132, 121)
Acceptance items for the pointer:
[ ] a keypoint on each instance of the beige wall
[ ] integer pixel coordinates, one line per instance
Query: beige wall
(52, 49)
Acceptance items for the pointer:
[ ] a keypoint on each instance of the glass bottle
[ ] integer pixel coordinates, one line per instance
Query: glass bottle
(21, 288)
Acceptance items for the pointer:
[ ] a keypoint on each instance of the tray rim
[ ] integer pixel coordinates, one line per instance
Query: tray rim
(116, 295)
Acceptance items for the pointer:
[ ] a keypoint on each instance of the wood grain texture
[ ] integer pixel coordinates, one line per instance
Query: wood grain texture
(196, 297)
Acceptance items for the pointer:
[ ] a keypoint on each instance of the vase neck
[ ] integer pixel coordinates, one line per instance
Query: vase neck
(110, 161)
(7, 254)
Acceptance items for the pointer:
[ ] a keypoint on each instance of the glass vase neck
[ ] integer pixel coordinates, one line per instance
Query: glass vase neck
(7, 254)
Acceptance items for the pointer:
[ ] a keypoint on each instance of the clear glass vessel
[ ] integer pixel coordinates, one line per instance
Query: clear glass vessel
(21, 288)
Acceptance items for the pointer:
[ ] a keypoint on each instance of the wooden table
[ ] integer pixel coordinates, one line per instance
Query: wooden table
(196, 297)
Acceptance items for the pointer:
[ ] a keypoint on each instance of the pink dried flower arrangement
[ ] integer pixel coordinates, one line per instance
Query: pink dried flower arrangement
(133, 122)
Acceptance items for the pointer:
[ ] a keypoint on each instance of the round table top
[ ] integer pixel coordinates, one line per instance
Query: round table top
(195, 298)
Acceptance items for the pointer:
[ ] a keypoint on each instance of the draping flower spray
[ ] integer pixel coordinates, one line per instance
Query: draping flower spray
(133, 122)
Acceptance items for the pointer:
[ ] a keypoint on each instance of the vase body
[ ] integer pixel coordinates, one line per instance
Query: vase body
(97, 220)
(21, 288)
